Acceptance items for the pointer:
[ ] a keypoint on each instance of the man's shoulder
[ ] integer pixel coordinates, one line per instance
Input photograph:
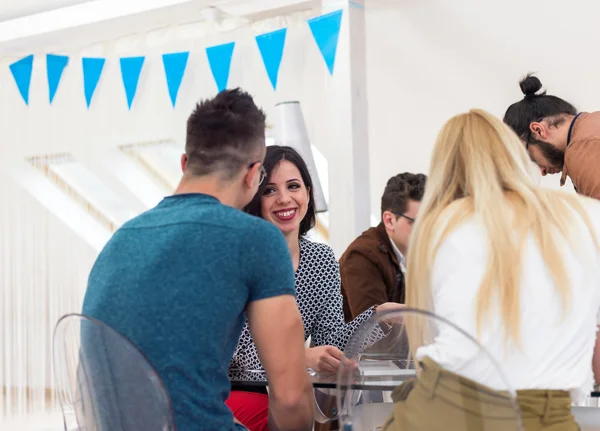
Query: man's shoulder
(261, 241)
(211, 214)
(581, 143)
(586, 124)
(586, 134)
(368, 250)
(582, 157)
(366, 243)
(257, 228)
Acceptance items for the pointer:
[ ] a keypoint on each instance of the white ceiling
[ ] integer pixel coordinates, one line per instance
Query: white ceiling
(28, 26)
(12, 9)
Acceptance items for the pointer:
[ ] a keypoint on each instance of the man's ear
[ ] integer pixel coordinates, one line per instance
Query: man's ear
(252, 175)
(388, 219)
(538, 130)
(184, 162)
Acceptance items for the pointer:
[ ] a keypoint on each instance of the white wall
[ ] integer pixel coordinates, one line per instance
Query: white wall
(43, 269)
(432, 59)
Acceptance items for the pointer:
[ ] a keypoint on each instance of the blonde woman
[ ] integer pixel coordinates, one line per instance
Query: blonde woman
(515, 265)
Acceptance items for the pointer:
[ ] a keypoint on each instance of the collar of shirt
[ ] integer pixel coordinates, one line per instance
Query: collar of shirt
(399, 255)
(565, 173)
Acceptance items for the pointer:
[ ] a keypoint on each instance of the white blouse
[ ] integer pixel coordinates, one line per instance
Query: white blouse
(319, 299)
(555, 350)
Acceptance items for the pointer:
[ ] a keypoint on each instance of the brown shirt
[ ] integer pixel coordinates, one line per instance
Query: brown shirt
(582, 156)
(370, 273)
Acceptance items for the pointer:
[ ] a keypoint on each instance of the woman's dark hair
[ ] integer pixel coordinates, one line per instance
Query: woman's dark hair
(275, 154)
(535, 106)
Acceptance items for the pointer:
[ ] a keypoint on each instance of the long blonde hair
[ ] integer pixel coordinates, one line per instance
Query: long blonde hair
(481, 168)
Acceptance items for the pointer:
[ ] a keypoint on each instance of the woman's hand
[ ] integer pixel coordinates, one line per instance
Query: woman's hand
(324, 358)
(393, 306)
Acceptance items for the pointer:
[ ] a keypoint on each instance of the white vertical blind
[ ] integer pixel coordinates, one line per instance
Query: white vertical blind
(43, 271)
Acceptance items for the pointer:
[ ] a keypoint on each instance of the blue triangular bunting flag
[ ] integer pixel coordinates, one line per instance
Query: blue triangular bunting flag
(326, 31)
(55, 66)
(219, 59)
(92, 70)
(21, 72)
(271, 46)
(175, 64)
(131, 68)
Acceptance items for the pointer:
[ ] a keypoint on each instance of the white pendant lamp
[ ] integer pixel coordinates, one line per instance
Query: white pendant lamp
(290, 130)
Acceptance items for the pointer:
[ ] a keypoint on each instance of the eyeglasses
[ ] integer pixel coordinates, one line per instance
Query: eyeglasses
(410, 219)
(263, 172)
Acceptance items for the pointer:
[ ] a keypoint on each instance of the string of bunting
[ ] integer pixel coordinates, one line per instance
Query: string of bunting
(325, 30)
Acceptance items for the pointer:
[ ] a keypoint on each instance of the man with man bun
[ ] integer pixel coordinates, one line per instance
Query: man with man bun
(557, 137)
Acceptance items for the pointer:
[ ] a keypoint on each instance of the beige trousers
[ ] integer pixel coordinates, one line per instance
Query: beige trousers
(443, 401)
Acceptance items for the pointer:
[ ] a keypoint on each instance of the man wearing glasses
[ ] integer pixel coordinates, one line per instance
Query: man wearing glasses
(372, 268)
(180, 279)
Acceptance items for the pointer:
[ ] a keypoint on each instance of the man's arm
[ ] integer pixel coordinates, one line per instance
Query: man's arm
(581, 159)
(276, 327)
(278, 332)
(362, 282)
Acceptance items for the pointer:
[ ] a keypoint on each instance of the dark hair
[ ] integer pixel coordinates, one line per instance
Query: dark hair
(400, 189)
(535, 106)
(275, 154)
(224, 134)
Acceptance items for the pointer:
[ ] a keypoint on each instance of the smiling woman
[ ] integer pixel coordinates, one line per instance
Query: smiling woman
(286, 199)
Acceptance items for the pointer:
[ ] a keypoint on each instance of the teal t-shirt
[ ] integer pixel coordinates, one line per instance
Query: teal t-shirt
(176, 281)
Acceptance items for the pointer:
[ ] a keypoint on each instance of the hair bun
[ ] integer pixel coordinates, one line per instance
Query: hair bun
(530, 85)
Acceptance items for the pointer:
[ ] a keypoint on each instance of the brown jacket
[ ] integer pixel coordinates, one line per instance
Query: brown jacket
(370, 273)
(582, 156)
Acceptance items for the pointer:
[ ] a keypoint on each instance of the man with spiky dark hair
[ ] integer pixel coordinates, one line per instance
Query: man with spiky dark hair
(178, 279)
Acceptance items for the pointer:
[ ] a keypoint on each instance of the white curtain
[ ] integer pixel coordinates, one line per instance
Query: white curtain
(43, 270)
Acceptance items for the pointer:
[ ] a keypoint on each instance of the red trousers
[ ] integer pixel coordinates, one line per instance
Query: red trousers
(251, 409)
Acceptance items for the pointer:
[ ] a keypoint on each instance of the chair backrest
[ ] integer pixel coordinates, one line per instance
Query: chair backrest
(104, 382)
(381, 380)
(325, 405)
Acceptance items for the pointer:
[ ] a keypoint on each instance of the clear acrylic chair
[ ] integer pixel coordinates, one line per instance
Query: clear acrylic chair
(104, 382)
(380, 379)
(325, 405)
(587, 413)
